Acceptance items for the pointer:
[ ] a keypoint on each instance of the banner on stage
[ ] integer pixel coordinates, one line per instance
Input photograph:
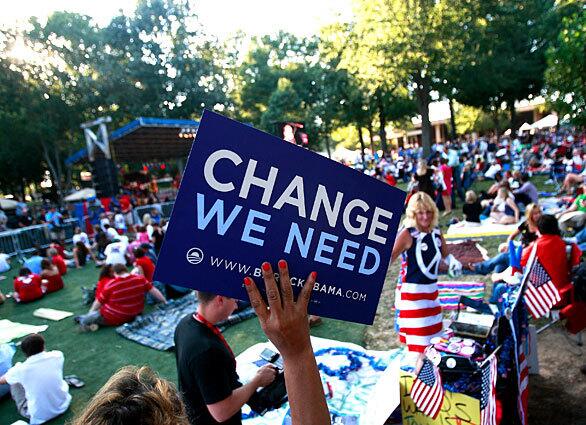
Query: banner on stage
(248, 197)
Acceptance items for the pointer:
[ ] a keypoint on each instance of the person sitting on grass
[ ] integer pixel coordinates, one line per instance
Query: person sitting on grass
(89, 294)
(575, 215)
(36, 385)
(34, 263)
(504, 210)
(471, 209)
(82, 237)
(27, 286)
(57, 260)
(80, 253)
(51, 278)
(143, 264)
(119, 301)
(528, 232)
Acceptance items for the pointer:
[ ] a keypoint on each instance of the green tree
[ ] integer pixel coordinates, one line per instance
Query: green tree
(566, 72)
(396, 43)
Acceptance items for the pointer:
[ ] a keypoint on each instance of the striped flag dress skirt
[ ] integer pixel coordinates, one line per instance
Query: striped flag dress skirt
(420, 315)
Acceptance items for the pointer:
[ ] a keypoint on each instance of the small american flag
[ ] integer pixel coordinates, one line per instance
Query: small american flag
(488, 392)
(523, 380)
(540, 294)
(427, 391)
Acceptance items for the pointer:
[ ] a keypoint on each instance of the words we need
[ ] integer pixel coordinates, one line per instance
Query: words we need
(357, 216)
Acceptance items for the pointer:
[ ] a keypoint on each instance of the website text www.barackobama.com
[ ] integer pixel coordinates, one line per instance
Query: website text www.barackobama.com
(295, 281)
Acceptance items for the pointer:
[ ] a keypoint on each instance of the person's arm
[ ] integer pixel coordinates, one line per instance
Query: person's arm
(139, 270)
(515, 208)
(158, 295)
(3, 380)
(285, 323)
(225, 409)
(513, 235)
(444, 248)
(96, 306)
(402, 244)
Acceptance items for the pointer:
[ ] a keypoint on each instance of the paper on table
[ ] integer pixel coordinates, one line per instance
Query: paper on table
(51, 314)
(11, 330)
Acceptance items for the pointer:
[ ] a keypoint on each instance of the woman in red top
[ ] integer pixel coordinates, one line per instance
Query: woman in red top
(552, 254)
(106, 275)
(58, 261)
(144, 264)
(51, 275)
(27, 286)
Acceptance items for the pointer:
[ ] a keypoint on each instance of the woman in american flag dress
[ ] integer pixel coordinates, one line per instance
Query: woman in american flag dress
(421, 247)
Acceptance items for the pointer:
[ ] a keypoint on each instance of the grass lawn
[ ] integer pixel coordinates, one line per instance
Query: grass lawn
(94, 357)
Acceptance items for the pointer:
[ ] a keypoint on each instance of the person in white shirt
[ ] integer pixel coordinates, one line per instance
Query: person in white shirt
(115, 252)
(4, 260)
(36, 385)
(120, 222)
(111, 232)
(80, 236)
(104, 220)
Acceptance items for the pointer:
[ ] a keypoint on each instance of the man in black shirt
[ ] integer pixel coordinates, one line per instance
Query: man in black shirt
(207, 368)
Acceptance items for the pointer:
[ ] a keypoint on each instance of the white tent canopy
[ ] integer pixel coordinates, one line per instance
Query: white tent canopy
(7, 204)
(525, 127)
(81, 195)
(546, 122)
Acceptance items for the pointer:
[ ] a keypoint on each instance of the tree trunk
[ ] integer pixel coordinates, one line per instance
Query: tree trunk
(327, 140)
(371, 136)
(513, 114)
(423, 100)
(361, 140)
(452, 120)
(55, 169)
(382, 120)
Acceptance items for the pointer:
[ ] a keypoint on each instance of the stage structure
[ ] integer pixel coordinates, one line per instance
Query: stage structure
(141, 140)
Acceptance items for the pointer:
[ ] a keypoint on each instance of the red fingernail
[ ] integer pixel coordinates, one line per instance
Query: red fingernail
(247, 281)
(282, 264)
(314, 275)
(266, 266)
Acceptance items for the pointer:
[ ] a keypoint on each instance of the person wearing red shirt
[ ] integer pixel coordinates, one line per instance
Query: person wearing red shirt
(58, 261)
(119, 301)
(552, 254)
(27, 286)
(50, 274)
(144, 264)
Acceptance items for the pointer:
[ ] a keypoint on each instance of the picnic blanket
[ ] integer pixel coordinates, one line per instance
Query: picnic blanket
(487, 228)
(348, 372)
(552, 205)
(10, 330)
(450, 292)
(157, 328)
(465, 251)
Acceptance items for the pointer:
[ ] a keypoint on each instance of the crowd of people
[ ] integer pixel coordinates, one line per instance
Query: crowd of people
(209, 389)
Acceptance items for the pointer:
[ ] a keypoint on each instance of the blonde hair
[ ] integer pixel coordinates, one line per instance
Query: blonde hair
(146, 219)
(421, 167)
(134, 395)
(471, 197)
(420, 201)
(531, 208)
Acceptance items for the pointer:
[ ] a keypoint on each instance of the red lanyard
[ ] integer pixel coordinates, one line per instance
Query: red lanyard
(215, 330)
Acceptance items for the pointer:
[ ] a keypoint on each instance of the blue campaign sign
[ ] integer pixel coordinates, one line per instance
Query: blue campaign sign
(248, 197)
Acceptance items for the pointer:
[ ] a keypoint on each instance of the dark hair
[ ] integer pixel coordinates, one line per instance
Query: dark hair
(139, 252)
(498, 176)
(33, 344)
(46, 264)
(106, 271)
(548, 225)
(524, 177)
(25, 271)
(205, 297)
(82, 249)
(119, 268)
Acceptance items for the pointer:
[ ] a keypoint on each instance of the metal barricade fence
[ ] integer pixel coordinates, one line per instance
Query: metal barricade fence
(20, 242)
(164, 209)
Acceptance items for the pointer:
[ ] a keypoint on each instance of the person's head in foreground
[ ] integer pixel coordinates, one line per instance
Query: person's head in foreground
(33, 344)
(134, 395)
(548, 225)
(471, 197)
(421, 212)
